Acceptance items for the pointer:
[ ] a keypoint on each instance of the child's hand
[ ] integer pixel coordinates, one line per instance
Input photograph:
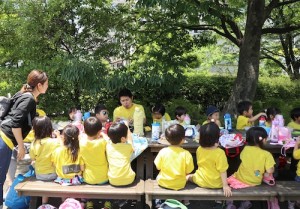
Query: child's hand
(227, 191)
(298, 140)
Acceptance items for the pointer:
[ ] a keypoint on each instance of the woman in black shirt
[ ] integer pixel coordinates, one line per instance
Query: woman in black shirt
(17, 124)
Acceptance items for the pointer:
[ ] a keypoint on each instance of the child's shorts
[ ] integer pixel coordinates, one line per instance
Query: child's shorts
(76, 180)
(46, 177)
(235, 183)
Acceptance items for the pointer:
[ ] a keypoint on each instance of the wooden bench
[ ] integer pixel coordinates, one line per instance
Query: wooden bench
(35, 188)
(288, 190)
(193, 192)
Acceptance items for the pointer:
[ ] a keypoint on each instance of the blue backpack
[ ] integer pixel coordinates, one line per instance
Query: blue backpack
(13, 200)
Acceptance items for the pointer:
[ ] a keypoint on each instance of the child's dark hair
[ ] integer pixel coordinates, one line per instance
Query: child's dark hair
(209, 134)
(125, 93)
(179, 111)
(255, 136)
(174, 134)
(159, 108)
(243, 106)
(116, 131)
(72, 109)
(99, 108)
(272, 111)
(42, 127)
(295, 113)
(71, 134)
(92, 126)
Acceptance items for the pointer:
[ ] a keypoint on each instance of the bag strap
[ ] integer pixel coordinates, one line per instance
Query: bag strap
(237, 152)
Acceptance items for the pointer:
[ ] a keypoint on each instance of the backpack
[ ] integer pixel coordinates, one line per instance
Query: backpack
(71, 203)
(13, 200)
(5, 105)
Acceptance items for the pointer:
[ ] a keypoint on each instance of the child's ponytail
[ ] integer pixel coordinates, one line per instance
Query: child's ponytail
(71, 134)
(255, 136)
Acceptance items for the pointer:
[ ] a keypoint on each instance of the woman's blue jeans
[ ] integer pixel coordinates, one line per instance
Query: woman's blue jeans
(5, 153)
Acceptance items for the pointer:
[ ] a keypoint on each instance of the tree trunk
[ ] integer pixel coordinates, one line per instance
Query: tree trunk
(245, 85)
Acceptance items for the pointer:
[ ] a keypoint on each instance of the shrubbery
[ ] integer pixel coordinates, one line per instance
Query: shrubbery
(195, 92)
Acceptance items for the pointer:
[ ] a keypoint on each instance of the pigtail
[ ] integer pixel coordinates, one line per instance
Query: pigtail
(71, 141)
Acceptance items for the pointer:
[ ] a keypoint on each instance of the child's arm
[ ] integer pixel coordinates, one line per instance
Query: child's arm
(254, 118)
(82, 167)
(218, 123)
(296, 152)
(226, 188)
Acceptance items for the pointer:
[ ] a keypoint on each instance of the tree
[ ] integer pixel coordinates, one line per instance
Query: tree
(227, 19)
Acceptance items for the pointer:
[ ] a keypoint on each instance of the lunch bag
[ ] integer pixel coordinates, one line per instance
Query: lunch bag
(229, 141)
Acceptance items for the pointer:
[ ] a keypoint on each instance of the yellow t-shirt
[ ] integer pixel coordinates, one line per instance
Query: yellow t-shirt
(41, 151)
(30, 137)
(296, 155)
(243, 122)
(294, 125)
(205, 122)
(255, 162)
(65, 167)
(119, 168)
(174, 164)
(94, 159)
(40, 112)
(166, 117)
(122, 112)
(211, 163)
(268, 124)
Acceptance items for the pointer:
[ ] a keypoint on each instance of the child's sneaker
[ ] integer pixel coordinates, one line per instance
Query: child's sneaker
(245, 205)
(291, 205)
(158, 203)
(107, 205)
(269, 180)
(89, 205)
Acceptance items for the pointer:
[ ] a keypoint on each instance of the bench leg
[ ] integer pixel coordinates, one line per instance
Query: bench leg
(33, 203)
(149, 200)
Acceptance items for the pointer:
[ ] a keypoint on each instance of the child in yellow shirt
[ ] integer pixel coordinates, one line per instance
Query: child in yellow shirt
(213, 115)
(159, 113)
(253, 170)
(211, 160)
(180, 113)
(41, 150)
(174, 162)
(296, 155)
(67, 158)
(92, 149)
(271, 113)
(245, 118)
(295, 115)
(118, 152)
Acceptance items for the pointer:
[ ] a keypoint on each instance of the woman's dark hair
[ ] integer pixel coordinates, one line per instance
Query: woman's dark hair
(295, 113)
(209, 134)
(116, 131)
(125, 93)
(272, 111)
(174, 134)
(33, 79)
(159, 108)
(255, 136)
(179, 111)
(92, 126)
(71, 134)
(42, 127)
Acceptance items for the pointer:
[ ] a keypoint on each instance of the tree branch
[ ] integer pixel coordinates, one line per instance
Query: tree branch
(280, 4)
(280, 30)
(269, 8)
(266, 56)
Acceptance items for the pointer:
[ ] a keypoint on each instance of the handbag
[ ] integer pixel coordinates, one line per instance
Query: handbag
(13, 200)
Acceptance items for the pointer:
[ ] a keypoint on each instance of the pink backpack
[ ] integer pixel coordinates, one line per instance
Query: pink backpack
(71, 203)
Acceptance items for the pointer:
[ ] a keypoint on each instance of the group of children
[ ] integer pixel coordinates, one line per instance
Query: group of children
(73, 158)
(96, 158)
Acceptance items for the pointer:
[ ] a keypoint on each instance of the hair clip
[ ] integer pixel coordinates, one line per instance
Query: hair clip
(260, 138)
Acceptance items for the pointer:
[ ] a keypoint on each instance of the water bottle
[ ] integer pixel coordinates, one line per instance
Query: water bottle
(138, 121)
(227, 122)
(155, 131)
(262, 121)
